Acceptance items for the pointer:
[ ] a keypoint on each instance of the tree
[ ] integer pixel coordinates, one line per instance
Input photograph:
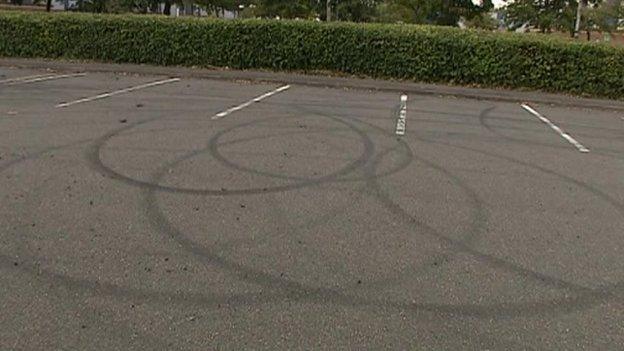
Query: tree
(483, 21)
(218, 7)
(545, 15)
(97, 6)
(603, 16)
(284, 8)
(440, 12)
(349, 10)
(122, 6)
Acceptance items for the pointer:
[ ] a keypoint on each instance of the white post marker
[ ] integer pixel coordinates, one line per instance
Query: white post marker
(254, 100)
(40, 78)
(563, 134)
(117, 92)
(400, 125)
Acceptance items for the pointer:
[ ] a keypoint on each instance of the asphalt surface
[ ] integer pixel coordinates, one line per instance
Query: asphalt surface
(136, 221)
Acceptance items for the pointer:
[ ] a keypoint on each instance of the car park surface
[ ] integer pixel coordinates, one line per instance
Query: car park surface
(158, 212)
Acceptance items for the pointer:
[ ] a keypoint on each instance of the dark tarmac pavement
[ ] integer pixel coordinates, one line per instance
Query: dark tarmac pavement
(131, 219)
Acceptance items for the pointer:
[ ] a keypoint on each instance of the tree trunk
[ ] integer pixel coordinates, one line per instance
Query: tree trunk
(48, 5)
(328, 14)
(167, 8)
(577, 22)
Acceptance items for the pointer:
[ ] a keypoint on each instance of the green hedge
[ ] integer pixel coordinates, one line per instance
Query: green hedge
(421, 53)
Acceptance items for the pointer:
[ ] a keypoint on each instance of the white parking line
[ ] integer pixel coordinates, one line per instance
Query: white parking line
(39, 78)
(243, 105)
(17, 79)
(400, 125)
(563, 134)
(117, 92)
(60, 76)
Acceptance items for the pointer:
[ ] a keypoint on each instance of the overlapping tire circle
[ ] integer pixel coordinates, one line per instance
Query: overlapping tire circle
(161, 223)
(296, 289)
(212, 147)
(585, 296)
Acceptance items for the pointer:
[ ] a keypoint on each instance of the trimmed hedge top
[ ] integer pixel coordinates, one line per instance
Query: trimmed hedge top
(421, 53)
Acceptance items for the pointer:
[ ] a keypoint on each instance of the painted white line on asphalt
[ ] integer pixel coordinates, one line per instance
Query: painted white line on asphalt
(117, 92)
(254, 100)
(400, 125)
(563, 134)
(41, 79)
(18, 79)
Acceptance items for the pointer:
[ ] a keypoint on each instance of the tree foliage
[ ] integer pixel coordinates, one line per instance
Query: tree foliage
(440, 12)
(355, 10)
(603, 16)
(443, 12)
(545, 15)
(548, 15)
(482, 21)
(284, 8)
